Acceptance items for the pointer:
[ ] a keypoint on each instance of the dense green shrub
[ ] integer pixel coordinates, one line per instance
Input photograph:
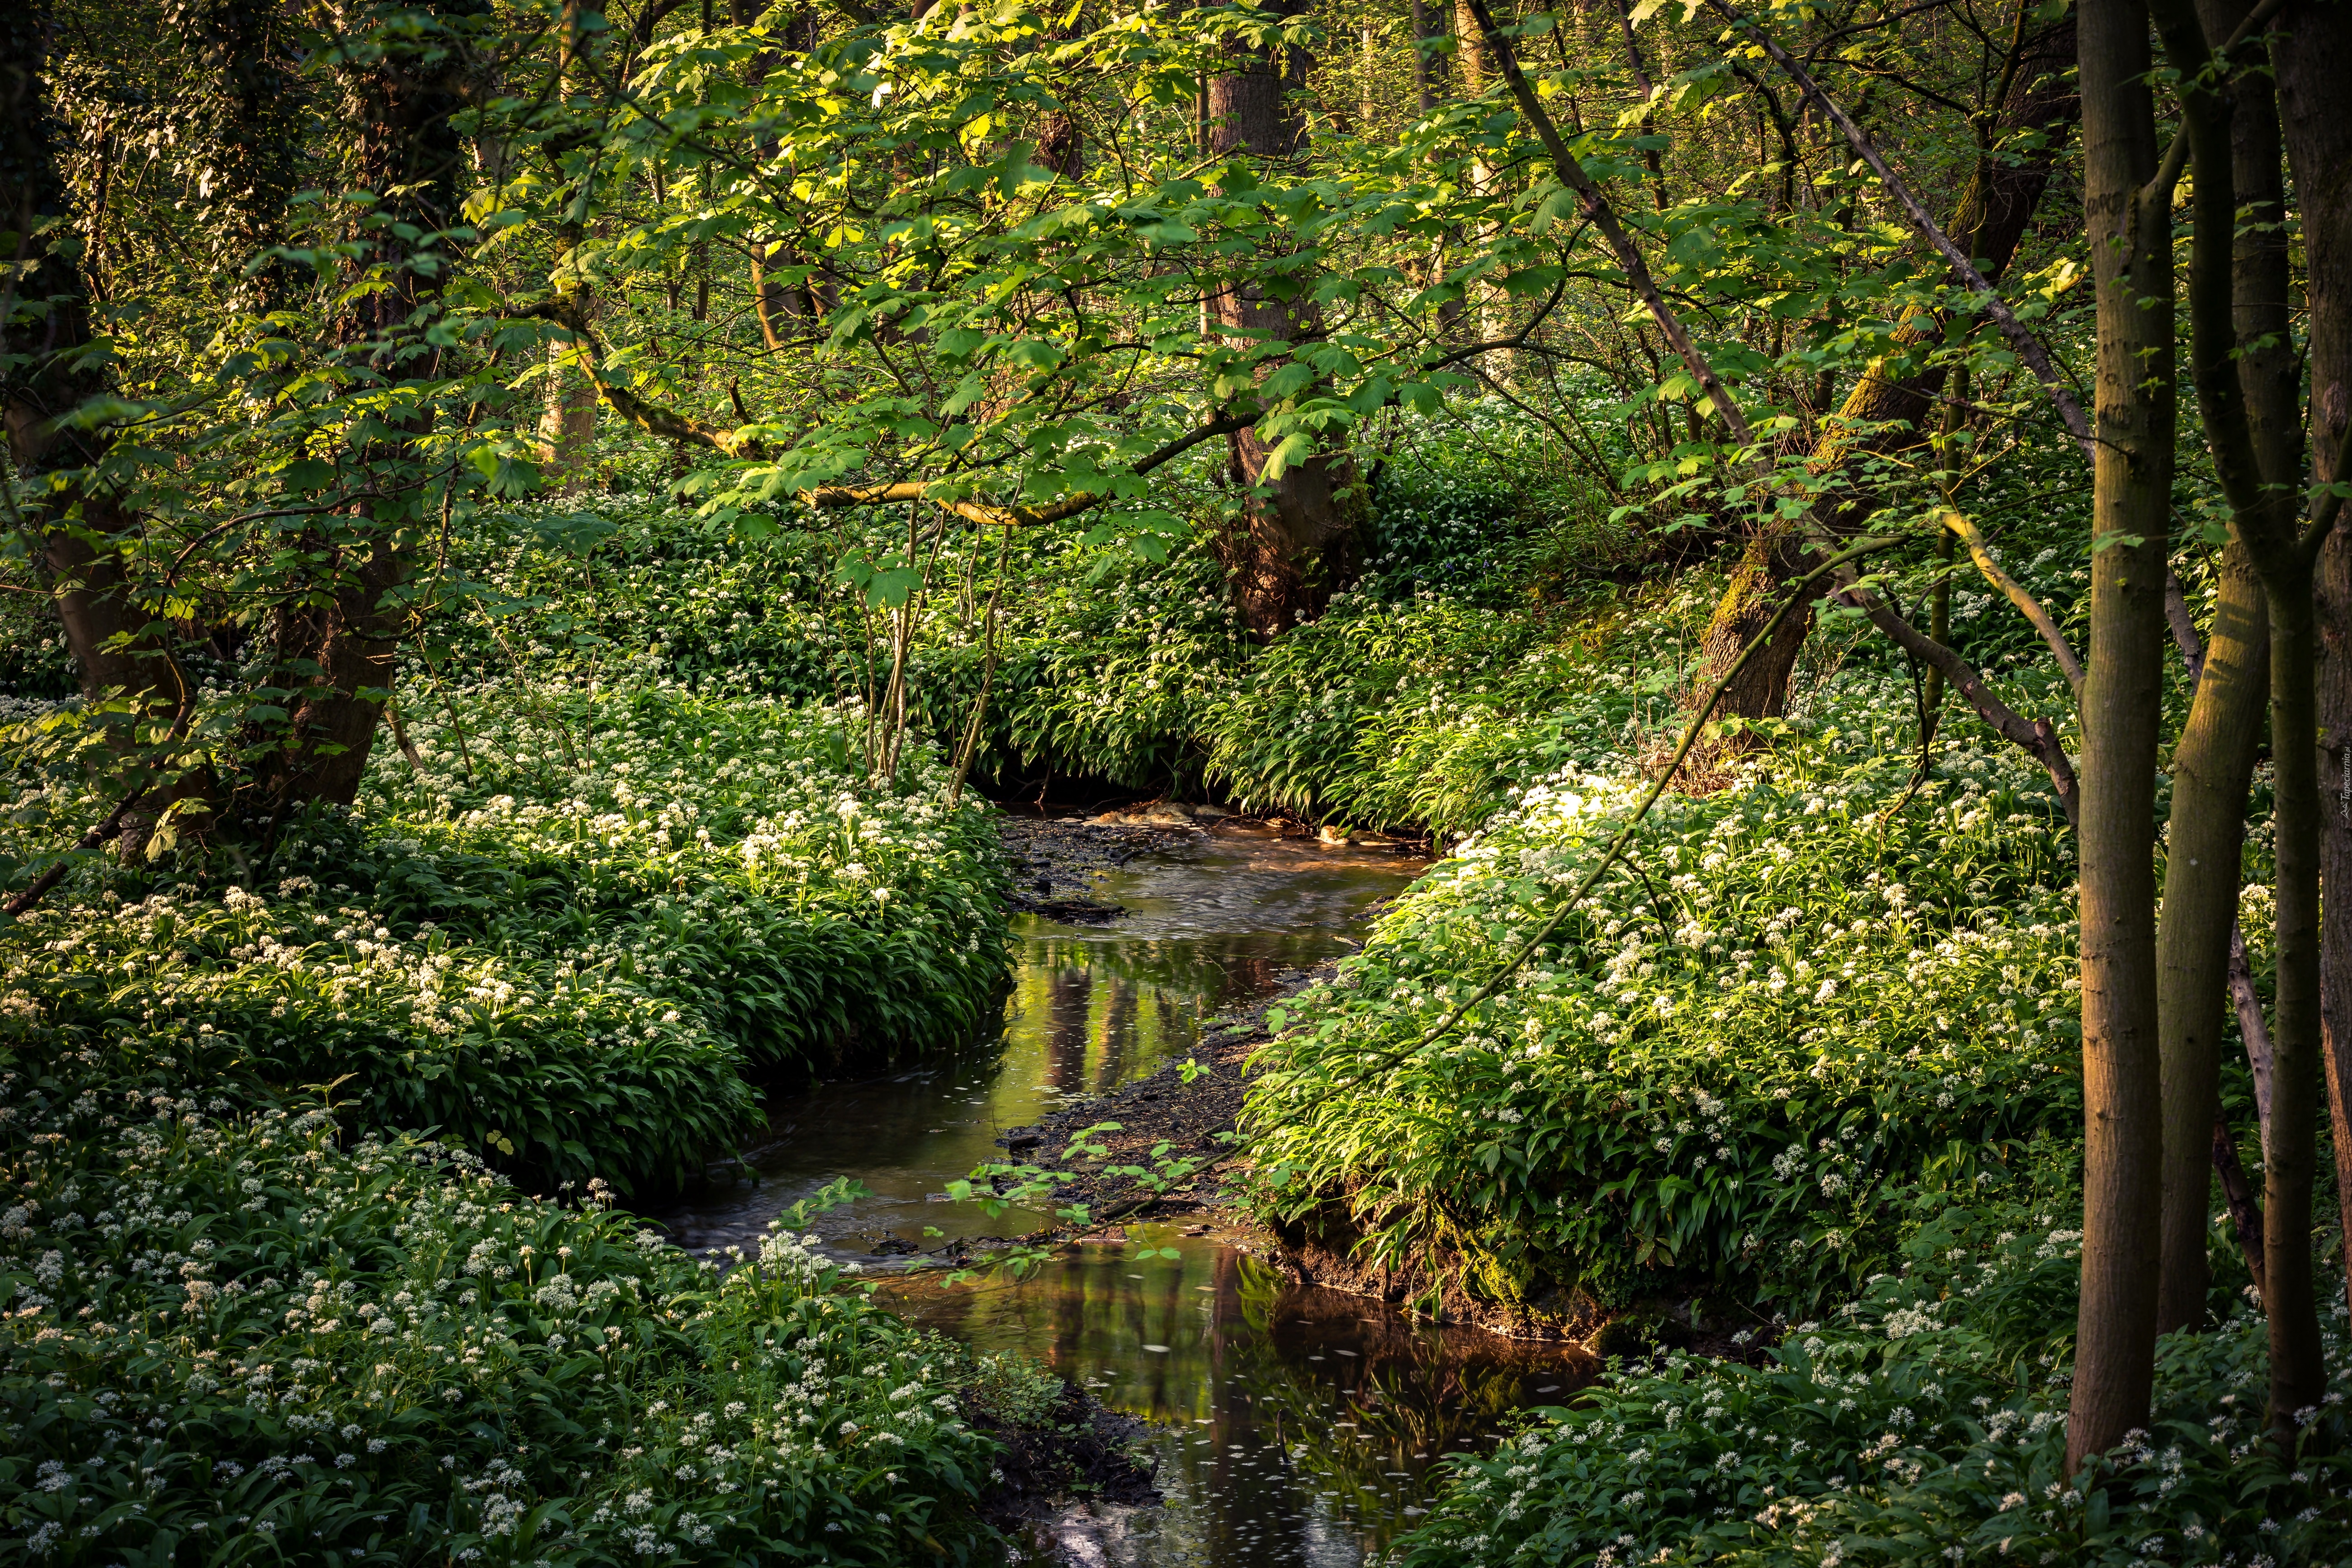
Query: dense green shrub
(1801, 994)
(566, 1076)
(235, 1336)
(1923, 1422)
(1409, 703)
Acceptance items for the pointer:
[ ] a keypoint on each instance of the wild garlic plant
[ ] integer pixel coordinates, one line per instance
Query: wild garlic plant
(566, 969)
(1795, 996)
(1922, 1422)
(235, 1335)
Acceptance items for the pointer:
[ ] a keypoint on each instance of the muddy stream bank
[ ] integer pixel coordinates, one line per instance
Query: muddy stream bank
(1284, 1424)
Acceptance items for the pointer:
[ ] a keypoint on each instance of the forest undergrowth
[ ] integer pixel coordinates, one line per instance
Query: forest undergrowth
(1804, 1074)
(279, 1281)
(1801, 1078)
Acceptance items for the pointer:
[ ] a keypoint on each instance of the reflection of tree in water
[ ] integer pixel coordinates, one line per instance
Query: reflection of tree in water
(1254, 1444)
(1211, 969)
(1106, 1011)
(1068, 993)
(1410, 1388)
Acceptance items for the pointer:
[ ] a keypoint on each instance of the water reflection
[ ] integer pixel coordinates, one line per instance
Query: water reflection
(1299, 1425)
(1216, 921)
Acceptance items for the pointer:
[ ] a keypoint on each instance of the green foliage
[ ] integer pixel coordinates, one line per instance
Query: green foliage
(729, 854)
(1409, 704)
(1801, 996)
(514, 1056)
(576, 986)
(1926, 1422)
(241, 1336)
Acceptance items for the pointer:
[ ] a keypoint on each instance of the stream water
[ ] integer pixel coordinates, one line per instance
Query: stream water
(1292, 1425)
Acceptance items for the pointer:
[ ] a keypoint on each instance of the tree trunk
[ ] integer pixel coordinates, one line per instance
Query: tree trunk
(2298, 1368)
(1421, 31)
(333, 649)
(77, 524)
(568, 425)
(2131, 250)
(1469, 51)
(248, 53)
(1990, 218)
(1294, 541)
(2212, 766)
(2313, 61)
(2210, 774)
(2245, 394)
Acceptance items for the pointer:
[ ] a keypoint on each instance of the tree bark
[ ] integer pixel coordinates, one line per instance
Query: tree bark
(2131, 250)
(2214, 762)
(248, 54)
(1423, 98)
(2245, 394)
(1469, 51)
(2212, 766)
(1294, 541)
(2298, 1367)
(567, 426)
(1894, 407)
(2313, 60)
(42, 381)
(333, 647)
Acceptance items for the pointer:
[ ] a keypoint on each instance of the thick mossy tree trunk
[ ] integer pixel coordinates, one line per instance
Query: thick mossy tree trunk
(76, 522)
(2131, 251)
(43, 378)
(1895, 409)
(1296, 539)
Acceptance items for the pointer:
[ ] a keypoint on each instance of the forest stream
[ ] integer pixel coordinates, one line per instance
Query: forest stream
(1289, 1425)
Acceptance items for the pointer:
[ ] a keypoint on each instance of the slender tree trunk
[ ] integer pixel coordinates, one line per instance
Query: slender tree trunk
(2214, 761)
(1469, 52)
(1423, 98)
(567, 426)
(2204, 845)
(2131, 250)
(2313, 61)
(2245, 394)
(2298, 1369)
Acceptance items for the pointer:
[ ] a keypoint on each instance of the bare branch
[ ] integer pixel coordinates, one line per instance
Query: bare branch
(2251, 1023)
(2036, 737)
(2010, 589)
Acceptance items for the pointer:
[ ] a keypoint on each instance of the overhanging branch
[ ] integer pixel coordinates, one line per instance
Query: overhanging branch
(2020, 339)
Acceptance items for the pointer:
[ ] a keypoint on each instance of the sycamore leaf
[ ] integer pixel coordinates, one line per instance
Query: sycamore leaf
(1293, 449)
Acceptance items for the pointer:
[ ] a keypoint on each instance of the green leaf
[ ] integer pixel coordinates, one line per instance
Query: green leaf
(307, 476)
